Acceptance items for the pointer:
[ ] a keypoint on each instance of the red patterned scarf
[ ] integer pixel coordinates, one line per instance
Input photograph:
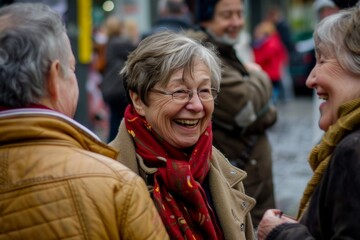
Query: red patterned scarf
(178, 195)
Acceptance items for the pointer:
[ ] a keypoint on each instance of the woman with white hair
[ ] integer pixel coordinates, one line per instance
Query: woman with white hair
(330, 206)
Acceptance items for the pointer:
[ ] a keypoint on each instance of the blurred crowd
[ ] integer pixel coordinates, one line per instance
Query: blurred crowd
(256, 48)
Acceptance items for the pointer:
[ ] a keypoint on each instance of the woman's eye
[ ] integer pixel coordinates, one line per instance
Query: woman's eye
(180, 91)
(205, 90)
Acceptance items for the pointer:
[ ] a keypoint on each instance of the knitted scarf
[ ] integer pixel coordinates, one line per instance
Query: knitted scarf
(178, 195)
(349, 119)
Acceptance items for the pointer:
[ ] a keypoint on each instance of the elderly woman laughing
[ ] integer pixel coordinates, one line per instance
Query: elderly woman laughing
(166, 137)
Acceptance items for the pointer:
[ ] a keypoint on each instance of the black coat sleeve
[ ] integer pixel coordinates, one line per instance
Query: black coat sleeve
(295, 231)
(340, 192)
(335, 206)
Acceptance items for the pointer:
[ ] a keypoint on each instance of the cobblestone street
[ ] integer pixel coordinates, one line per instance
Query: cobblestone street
(291, 138)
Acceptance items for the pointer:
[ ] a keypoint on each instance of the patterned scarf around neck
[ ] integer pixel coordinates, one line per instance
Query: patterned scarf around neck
(178, 195)
(349, 119)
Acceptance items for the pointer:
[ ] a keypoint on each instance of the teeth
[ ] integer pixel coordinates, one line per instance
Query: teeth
(324, 97)
(187, 122)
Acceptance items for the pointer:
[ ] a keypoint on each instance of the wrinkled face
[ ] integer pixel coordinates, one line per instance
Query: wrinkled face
(180, 124)
(333, 85)
(69, 87)
(228, 20)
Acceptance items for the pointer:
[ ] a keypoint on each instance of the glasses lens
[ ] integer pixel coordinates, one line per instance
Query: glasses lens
(214, 93)
(207, 94)
(185, 96)
(180, 96)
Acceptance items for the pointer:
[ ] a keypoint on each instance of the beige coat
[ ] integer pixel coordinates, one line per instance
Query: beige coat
(232, 205)
(57, 181)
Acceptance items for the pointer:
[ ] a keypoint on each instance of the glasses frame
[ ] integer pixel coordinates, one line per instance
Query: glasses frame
(190, 93)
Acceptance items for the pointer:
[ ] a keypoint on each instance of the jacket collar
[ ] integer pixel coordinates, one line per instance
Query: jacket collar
(47, 125)
(129, 158)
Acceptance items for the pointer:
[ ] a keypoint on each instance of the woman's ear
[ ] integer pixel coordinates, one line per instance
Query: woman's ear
(137, 102)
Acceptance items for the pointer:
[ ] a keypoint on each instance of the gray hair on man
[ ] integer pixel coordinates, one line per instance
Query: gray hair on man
(27, 51)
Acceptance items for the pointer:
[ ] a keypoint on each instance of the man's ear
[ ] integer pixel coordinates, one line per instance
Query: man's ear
(53, 86)
(137, 102)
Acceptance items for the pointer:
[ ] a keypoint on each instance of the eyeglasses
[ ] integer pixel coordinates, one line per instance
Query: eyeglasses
(185, 95)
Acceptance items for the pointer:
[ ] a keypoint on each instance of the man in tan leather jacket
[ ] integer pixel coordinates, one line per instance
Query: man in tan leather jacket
(57, 180)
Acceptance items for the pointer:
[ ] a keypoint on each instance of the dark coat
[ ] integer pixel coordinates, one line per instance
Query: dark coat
(112, 86)
(334, 209)
(242, 114)
(117, 50)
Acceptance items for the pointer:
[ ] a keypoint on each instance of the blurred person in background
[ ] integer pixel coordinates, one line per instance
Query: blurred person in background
(324, 8)
(166, 137)
(117, 48)
(330, 206)
(271, 55)
(98, 110)
(132, 31)
(243, 110)
(58, 181)
(173, 16)
(276, 16)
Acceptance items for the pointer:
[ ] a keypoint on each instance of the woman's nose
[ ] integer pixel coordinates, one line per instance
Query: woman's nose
(311, 79)
(195, 103)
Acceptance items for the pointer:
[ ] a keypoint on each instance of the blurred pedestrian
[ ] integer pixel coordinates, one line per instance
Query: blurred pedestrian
(271, 55)
(173, 15)
(330, 204)
(97, 108)
(276, 16)
(166, 137)
(132, 31)
(117, 49)
(243, 110)
(324, 8)
(58, 181)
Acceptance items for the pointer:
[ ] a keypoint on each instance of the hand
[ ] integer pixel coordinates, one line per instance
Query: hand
(251, 66)
(270, 220)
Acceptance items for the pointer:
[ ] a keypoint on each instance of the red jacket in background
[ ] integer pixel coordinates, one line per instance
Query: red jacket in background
(271, 55)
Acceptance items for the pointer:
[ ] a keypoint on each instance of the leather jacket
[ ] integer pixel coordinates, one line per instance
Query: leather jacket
(58, 181)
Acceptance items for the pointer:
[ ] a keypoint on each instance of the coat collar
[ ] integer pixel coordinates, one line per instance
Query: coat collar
(128, 157)
(46, 125)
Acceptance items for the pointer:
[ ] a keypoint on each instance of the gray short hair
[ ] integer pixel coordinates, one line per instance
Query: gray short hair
(158, 56)
(339, 35)
(31, 38)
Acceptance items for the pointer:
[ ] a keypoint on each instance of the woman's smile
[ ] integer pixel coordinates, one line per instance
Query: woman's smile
(187, 123)
(181, 123)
